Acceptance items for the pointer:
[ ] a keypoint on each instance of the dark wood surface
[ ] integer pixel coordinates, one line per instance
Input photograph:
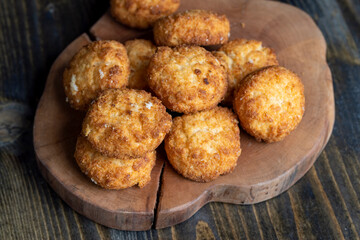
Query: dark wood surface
(322, 205)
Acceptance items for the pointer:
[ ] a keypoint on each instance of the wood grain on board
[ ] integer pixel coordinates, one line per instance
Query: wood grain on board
(264, 170)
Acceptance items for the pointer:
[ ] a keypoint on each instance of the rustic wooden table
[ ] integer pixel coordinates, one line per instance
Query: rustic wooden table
(324, 204)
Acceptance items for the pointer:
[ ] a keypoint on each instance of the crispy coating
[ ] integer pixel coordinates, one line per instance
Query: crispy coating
(113, 173)
(204, 145)
(194, 27)
(139, 52)
(142, 13)
(270, 103)
(126, 122)
(187, 78)
(241, 57)
(97, 66)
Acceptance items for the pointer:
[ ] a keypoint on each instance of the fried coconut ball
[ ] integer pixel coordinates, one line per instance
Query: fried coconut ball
(142, 13)
(270, 103)
(139, 52)
(126, 123)
(241, 57)
(97, 66)
(204, 145)
(194, 27)
(187, 78)
(113, 173)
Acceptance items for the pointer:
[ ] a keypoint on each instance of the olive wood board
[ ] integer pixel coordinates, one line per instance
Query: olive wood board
(263, 170)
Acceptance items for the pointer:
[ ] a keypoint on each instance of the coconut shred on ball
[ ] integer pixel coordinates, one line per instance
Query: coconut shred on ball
(126, 123)
(95, 67)
(187, 78)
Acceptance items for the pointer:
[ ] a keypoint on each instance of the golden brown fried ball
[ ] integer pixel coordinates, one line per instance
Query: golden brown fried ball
(97, 66)
(142, 13)
(139, 52)
(241, 57)
(204, 145)
(126, 123)
(187, 78)
(194, 27)
(113, 173)
(270, 103)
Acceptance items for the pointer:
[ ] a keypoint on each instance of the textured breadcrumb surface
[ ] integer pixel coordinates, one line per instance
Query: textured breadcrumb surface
(194, 27)
(142, 13)
(204, 145)
(270, 103)
(241, 57)
(187, 78)
(139, 52)
(113, 173)
(126, 122)
(97, 66)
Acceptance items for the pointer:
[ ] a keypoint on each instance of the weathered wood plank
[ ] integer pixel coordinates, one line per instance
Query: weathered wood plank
(34, 32)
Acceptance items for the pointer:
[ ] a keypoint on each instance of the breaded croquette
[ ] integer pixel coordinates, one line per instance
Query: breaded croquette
(142, 13)
(204, 145)
(270, 103)
(97, 66)
(113, 173)
(139, 52)
(193, 27)
(126, 123)
(241, 57)
(187, 78)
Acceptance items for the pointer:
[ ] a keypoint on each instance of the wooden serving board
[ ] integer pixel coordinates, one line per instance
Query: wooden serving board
(264, 170)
